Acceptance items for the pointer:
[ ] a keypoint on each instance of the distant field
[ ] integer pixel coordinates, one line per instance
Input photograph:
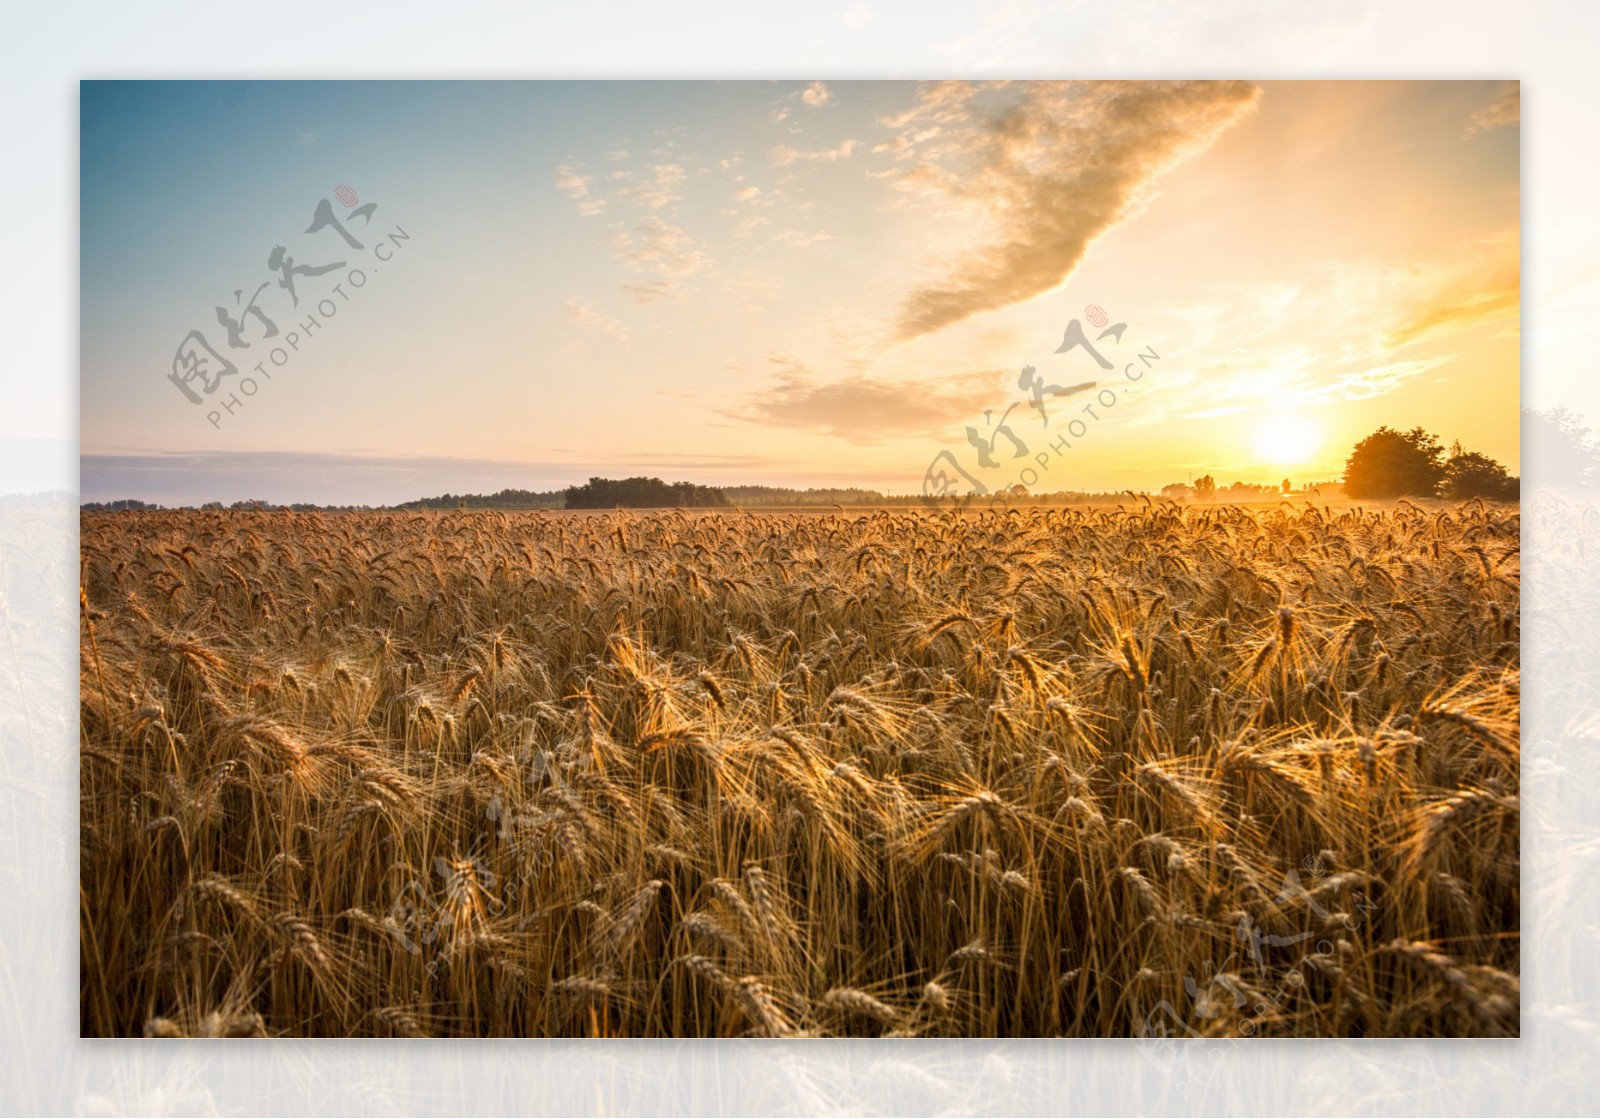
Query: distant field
(1095, 771)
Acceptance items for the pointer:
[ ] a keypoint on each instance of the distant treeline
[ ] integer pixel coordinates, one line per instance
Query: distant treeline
(783, 495)
(505, 499)
(117, 506)
(653, 493)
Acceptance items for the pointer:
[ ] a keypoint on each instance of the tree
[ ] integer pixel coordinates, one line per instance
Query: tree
(1469, 474)
(1205, 486)
(1390, 463)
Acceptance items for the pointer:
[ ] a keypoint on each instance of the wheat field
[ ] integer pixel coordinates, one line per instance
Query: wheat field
(1149, 770)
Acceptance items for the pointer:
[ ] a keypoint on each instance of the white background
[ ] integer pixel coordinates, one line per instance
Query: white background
(46, 49)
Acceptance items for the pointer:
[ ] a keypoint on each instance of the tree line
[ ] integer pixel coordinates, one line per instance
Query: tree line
(1387, 464)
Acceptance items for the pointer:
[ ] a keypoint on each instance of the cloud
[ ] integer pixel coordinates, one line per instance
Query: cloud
(1285, 378)
(1472, 294)
(863, 410)
(660, 189)
(1374, 380)
(944, 102)
(745, 194)
(799, 239)
(783, 155)
(816, 95)
(857, 17)
(576, 187)
(1052, 170)
(1505, 109)
(747, 226)
(659, 246)
(584, 314)
(652, 291)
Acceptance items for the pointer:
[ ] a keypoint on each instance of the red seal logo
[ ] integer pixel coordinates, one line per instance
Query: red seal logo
(347, 195)
(1094, 312)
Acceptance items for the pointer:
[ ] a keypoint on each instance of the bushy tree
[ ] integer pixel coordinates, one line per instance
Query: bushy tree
(1469, 474)
(642, 493)
(1390, 463)
(1205, 486)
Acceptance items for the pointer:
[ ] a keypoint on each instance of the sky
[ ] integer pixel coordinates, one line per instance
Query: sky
(467, 286)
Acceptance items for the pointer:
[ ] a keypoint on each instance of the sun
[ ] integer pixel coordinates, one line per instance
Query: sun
(1286, 439)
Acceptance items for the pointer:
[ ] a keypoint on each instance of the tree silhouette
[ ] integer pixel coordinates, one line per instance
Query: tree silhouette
(1469, 474)
(1390, 463)
(642, 493)
(1205, 486)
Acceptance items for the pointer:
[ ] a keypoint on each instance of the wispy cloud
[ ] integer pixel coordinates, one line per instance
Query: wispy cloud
(659, 246)
(1287, 378)
(799, 238)
(577, 187)
(1373, 380)
(1505, 109)
(1473, 293)
(860, 409)
(1364, 331)
(747, 227)
(782, 154)
(652, 291)
(583, 313)
(660, 189)
(1052, 169)
(654, 188)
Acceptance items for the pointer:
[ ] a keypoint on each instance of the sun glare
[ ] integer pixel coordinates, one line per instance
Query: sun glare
(1287, 440)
